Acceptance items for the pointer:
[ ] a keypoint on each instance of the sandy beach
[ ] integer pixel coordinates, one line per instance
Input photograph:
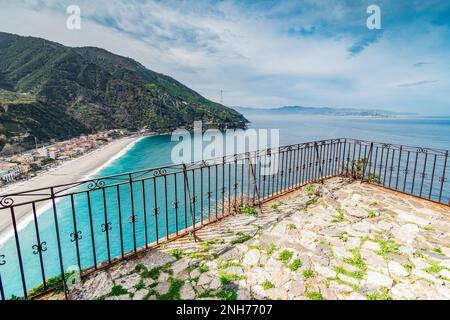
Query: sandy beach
(71, 171)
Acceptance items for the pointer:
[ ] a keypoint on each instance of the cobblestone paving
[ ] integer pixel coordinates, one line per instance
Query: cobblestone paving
(340, 240)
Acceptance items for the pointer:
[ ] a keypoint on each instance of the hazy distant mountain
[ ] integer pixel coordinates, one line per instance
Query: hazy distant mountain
(49, 90)
(290, 110)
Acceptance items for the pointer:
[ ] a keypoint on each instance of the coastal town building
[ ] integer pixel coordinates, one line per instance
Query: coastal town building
(23, 165)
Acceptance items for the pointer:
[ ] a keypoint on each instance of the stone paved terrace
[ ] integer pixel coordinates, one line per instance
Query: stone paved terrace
(340, 240)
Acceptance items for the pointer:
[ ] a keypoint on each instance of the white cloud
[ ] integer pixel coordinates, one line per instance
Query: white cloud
(249, 54)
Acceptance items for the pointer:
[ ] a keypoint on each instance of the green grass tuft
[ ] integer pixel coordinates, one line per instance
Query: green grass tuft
(153, 273)
(176, 253)
(314, 295)
(248, 211)
(308, 273)
(295, 265)
(117, 290)
(174, 291)
(242, 237)
(267, 285)
(285, 256)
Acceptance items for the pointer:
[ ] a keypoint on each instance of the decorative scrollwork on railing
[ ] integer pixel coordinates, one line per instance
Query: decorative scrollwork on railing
(176, 205)
(133, 218)
(194, 200)
(96, 184)
(289, 148)
(2, 260)
(41, 247)
(422, 150)
(159, 172)
(208, 195)
(106, 227)
(76, 236)
(386, 146)
(224, 190)
(442, 179)
(6, 202)
(204, 164)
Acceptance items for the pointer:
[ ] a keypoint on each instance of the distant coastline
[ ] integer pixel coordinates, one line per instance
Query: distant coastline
(320, 111)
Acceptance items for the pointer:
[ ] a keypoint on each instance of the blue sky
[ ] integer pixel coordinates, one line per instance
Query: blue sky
(268, 53)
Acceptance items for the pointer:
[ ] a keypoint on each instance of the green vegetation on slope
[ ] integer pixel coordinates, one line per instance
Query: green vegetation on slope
(53, 91)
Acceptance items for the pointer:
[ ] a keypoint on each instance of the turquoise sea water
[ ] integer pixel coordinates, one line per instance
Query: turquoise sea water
(153, 152)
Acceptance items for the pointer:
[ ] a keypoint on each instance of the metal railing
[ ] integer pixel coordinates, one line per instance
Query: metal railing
(88, 225)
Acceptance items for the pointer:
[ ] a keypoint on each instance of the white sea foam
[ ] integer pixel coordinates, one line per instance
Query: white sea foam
(29, 217)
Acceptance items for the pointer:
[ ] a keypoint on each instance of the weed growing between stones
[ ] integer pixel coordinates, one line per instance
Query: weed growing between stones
(371, 214)
(295, 265)
(339, 217)
(207, 245)
(248, 211)
(226, 278)
(176, 253)
(308, 273)
(356, 261)
(140, 285)
(359, 274)
(387, 246)
(117, 290)
(227, 295)
(267, 285)
(382, 295)
(314, 295)
(203, 268)
(323, 203)
(271, 249)
(153, 273)
(285, 256)
(242, 237)
(174, 290)
(309, 190)
(276, 205)
(229, 263)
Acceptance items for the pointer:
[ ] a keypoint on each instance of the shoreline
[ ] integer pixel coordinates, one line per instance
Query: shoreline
(81, 168)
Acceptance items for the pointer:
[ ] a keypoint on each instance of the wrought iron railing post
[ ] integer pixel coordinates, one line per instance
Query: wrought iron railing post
(366, 162)
(255, 186)
(186, 181)
(320, 162)
(61, 263)
(443, 177)
(2, 292)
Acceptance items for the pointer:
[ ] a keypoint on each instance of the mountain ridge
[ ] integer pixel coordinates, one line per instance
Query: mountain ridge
(49, 90)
